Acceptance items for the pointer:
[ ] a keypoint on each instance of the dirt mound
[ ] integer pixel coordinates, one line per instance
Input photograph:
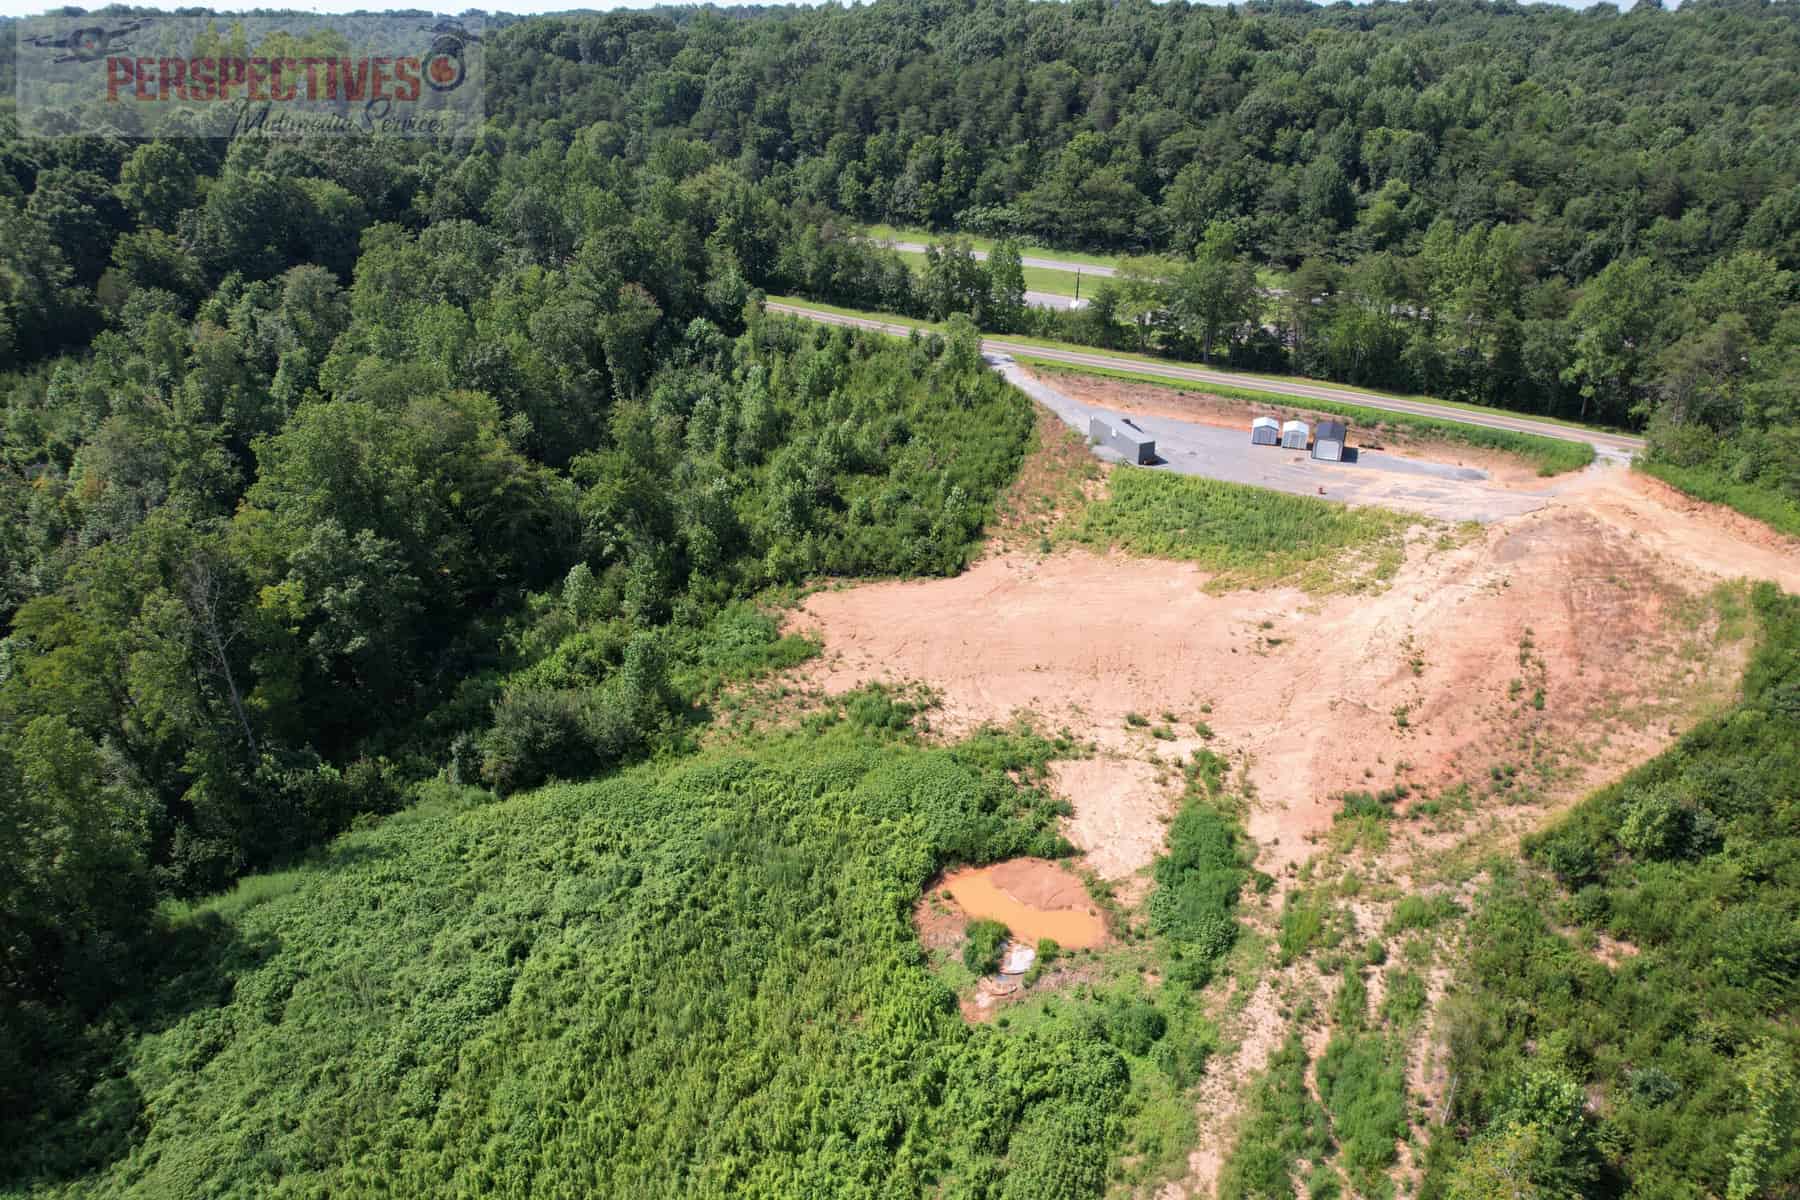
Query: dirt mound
(1120, 806)
(1038, 883)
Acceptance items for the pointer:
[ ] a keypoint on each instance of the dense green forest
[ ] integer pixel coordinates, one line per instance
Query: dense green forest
(335, 469)
(1590, 214)
(282, 541)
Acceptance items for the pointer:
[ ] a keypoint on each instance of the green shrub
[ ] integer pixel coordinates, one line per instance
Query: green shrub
(1197, 884)
(1405, 998)
(1134, 1026)
(981, 952)
(1362, 1080)
(1282, 1124)
(1303, 916)
(1420, 912)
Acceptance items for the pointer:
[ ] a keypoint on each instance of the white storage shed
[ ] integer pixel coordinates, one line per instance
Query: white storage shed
(1265, 431)
(1295, 434)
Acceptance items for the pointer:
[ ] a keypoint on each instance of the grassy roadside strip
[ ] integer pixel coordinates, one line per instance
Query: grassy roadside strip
(1037, 279)
(1551, 456)
(890, 233)
(1150, 360)
(1712, 485)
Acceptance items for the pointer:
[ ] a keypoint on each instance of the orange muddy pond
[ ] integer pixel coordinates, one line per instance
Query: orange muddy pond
(1032, 897)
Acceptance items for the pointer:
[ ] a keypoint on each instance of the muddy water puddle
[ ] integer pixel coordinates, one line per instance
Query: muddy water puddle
(1033, 898)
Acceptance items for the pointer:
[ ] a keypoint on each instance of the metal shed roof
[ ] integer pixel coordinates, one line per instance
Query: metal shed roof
(1331, 431)
(1262, 422)
(1290, 425)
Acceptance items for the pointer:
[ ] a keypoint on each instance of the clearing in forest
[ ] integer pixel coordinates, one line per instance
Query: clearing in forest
(1483, 677)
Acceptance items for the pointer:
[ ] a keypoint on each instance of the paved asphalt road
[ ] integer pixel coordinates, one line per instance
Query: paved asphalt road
(1025, 260)
(1618, 446)
(1053, 300)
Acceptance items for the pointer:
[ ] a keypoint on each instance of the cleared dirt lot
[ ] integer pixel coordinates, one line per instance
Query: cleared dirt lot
(1597, 599)
(1501, 674)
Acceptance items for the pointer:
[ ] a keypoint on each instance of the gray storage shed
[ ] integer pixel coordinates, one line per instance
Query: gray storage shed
(1329, 439)
(1264, 431)
(1118, 434)
(1295, 435)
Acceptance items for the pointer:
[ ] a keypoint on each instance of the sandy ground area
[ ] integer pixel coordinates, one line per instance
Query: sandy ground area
(1121, 806)
(1584, 598)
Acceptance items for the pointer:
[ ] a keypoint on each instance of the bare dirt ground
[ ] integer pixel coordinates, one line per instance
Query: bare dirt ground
(1589, 599)
(1121, 806)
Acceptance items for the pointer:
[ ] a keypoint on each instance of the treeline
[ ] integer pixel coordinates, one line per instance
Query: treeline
(1592, 215)
(1626, 1020)
(338, 491)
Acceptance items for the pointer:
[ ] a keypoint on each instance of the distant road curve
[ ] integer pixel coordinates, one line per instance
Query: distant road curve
(1025, 260)
(1620, 446)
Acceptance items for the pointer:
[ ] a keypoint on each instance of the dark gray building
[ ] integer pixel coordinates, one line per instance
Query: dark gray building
(1329, 439)
(1120, 435)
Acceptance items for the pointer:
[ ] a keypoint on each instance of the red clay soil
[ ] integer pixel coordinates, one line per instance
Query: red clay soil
(1309, 689)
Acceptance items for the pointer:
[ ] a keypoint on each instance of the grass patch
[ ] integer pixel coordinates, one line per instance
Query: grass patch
(1246, 536)
(1037, 279)
(1551, 456)
(1708, 483)
(1305, 916)
(1421, 912)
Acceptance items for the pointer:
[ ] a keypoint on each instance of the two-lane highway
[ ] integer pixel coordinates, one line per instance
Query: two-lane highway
(1620, 446)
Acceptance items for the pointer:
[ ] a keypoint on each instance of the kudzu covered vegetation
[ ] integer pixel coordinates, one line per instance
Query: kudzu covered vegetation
(698, 979)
